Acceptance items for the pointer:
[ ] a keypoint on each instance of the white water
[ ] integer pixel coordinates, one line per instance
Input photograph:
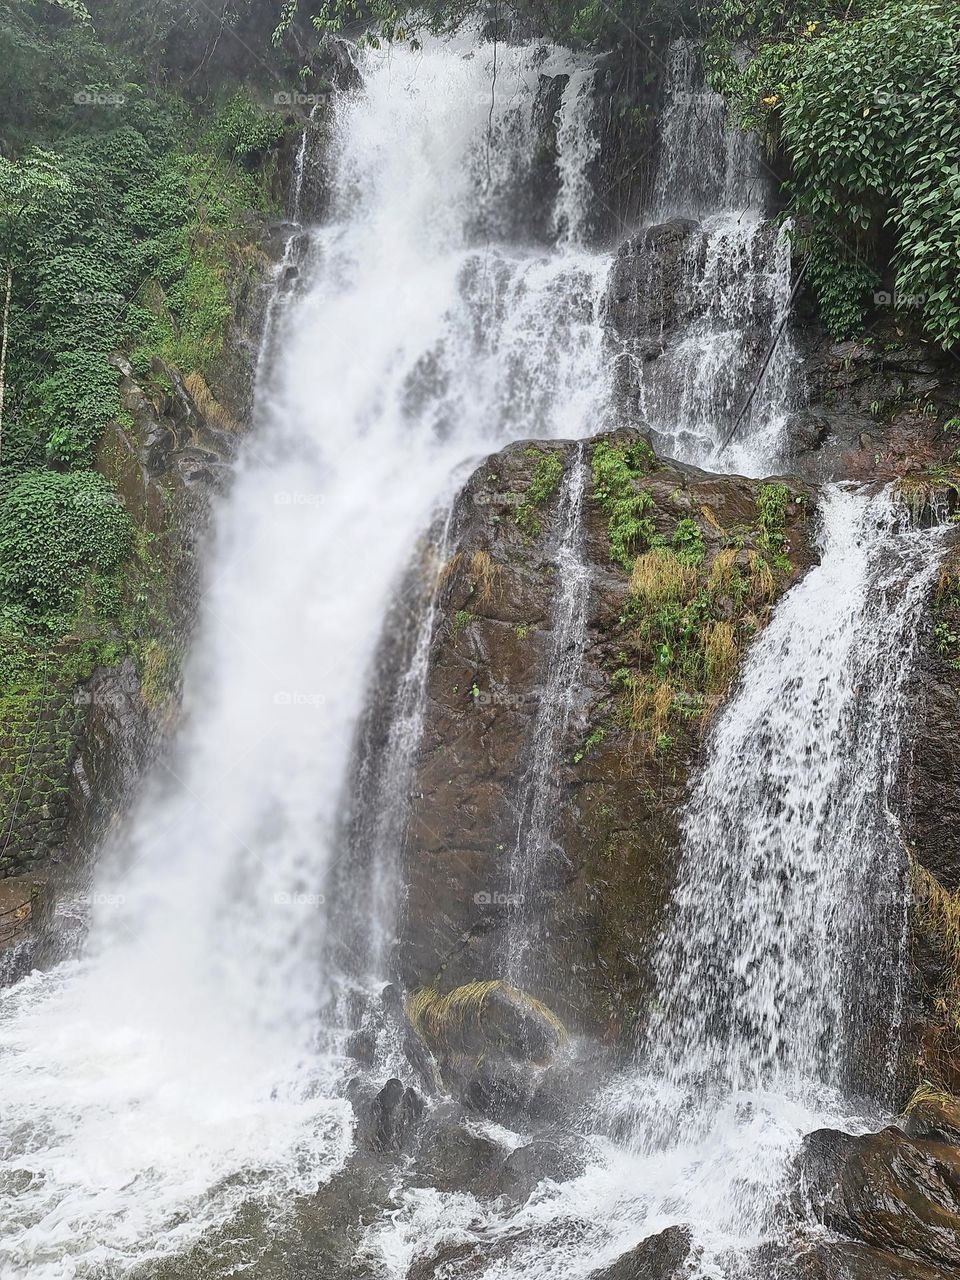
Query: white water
(559, 698)
(732, 296)
(781, 949)
(173, 1075)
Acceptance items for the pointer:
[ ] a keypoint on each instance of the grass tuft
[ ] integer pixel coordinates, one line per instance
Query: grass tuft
(720, 654)
(443, 1019)
(660, 577)
(722, 572)
(210, 407)
(763, 584)
(485, 574)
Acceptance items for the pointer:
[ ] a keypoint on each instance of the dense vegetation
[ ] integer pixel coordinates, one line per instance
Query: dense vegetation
(862, 99)
(123, 178)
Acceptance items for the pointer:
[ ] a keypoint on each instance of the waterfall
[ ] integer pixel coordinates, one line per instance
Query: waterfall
(712, 313)
(559, 698)
(182, 1086)
(172, 1078)
(779, 953)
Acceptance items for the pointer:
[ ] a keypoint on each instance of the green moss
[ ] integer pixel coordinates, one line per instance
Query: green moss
(688, 618)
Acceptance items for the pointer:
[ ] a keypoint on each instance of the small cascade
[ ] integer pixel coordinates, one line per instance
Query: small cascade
(779, 954)
(710, 288)
(731, 296)
(386, 752)
(704, 165)
(278, 286)
(559, 700)
(578, 145)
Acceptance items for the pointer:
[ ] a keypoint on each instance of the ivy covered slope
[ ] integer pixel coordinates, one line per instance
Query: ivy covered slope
(861, 101)
(135, 169)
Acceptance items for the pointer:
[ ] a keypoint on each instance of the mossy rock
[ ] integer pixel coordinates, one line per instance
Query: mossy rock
(480, 1018)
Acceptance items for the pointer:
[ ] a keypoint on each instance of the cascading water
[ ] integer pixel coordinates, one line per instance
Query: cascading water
(712, 315)
(779, 953)
(559, 697)
(172, 1076)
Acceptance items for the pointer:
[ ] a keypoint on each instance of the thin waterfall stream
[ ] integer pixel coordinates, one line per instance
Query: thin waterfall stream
(184, 1080)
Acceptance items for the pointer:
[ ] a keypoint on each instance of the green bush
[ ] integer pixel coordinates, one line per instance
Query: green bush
(865, 109)
(56, 530)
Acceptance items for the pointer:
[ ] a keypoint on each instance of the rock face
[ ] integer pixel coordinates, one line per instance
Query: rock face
(858, 1262)
(887, 1191)
(644, 696)
(660, 1257)
(873, 408)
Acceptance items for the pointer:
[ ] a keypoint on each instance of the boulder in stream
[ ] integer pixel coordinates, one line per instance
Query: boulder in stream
(886, 1190)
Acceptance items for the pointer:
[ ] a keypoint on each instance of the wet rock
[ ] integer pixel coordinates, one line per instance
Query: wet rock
(886, 1190)
(607, 871)
(858, 1262)
(456, 1156)
(118, 740)
(491, 1043)
(527, 1166)
(935, 1118)
(659, 1257)
(387, 1117)
(338, 60)
(645, 300)
(873, 408)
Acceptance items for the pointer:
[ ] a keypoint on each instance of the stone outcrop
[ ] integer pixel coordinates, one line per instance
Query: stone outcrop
(888, 1191)
(873, 408)
(660, 1257)
(622, 769)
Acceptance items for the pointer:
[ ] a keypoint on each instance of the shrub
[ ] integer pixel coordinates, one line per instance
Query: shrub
(55, 530)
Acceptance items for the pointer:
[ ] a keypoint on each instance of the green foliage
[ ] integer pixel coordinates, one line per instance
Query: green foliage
(616, 469)
(574, 22)
(687, 542)
(772, 500)
(55, 530)
(244, 130)
(547, 473)
(863, 103)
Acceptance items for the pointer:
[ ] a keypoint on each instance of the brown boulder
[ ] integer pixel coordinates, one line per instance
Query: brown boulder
(620, 771)
(885, 1190)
